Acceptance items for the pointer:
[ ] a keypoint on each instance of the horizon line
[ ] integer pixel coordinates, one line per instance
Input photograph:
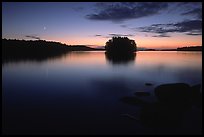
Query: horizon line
(92, 46)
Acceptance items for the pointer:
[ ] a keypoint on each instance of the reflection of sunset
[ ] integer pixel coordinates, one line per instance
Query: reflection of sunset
(143, 59)
(171, 59)
(86, 58)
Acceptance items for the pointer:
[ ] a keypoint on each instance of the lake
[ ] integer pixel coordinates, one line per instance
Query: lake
(80, 92)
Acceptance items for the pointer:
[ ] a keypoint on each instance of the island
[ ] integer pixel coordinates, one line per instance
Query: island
(120, 45)
(120, 50)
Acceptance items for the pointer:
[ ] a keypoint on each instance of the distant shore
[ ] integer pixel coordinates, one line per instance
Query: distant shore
(8, 44)
(14, 50)
(189, 48)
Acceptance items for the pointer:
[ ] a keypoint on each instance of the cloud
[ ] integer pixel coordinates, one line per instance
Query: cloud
(122, 11)
(120, 35)
(194, 34)
(189, 27)
(78, 9)
(97, 35)
(33, 37)
(113, 35)
(146, 35)
(123, 26)
(189, 3)
(191, 9)
(197, 12)
(184, 3)
(161, 35)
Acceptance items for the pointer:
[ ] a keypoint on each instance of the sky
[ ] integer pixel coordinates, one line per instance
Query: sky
(151, 24)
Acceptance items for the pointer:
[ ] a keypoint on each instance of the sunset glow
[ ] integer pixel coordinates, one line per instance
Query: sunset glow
(168, 25)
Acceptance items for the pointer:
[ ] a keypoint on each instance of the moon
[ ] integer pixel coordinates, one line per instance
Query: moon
(44, 28)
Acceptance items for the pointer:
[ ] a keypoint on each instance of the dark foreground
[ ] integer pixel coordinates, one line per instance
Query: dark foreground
(177, 109)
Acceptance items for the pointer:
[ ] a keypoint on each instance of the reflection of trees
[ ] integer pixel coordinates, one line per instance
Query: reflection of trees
(34, 58)
(120, 58)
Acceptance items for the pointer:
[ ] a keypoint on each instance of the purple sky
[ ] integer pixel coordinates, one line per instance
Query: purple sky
(151, 25)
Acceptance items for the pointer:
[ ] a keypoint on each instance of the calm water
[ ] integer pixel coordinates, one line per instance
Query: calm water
(79, 93)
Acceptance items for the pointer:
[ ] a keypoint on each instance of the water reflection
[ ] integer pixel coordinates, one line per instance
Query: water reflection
(120, 58)
(32, 58)
(79, 92)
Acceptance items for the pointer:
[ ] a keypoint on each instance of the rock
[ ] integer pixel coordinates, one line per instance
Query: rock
(130, 116)
(195, 90)
(142, 93)
(148, 84)
(133, 101)
(196, 95)
(174, 102)
(158, 115)
(176, 94)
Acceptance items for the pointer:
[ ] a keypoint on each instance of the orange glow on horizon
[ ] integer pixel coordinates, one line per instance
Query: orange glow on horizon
(169, 42)
(144, 42)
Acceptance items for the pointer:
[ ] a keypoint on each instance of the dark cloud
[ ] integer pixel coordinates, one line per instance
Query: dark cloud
(194, 34)
(161, 35)
(120, 35)
(189, 3)
(197, 12)
(123, 26)
(184, 3)
(126, 10)
(33, 37)
(191, 8)
(113, 35)
(78, 8)
(97, 35)
(189, 27)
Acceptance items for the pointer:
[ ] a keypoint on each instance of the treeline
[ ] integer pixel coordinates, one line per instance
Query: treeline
(120, 45)
(190, 48)
(35, 49)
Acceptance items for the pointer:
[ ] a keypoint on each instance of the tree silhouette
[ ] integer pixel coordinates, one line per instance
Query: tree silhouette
(14, 50)
(120, 45)
(190, 48)
(120, 50)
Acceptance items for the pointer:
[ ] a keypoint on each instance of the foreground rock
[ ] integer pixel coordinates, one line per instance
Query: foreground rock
(142, 93)
(176, 94)
(133, 101)
(148, 84)
(158, 115)
(179, 94)
(196, 95)
(174, 103)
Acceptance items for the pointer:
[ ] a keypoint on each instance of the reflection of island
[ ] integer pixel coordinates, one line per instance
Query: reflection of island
(120, 50)
(119, 58)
